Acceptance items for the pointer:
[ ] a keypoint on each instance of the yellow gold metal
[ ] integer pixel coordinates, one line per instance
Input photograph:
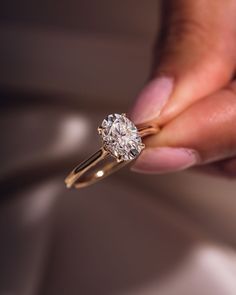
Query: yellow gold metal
(102, 163)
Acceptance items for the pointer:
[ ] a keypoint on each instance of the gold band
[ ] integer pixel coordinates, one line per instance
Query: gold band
(101, 163)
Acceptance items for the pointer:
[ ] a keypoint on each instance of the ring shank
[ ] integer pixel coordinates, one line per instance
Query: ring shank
(95, 168)
(101, 163)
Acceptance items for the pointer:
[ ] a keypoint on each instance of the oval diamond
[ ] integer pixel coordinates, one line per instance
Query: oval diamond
(120, 137)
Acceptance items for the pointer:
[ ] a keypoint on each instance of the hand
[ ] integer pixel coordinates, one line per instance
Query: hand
(192, 94)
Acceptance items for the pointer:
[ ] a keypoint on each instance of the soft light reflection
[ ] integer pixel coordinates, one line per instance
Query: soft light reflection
(37, 203)
(100, 173)
(72, 134)
(220, 263)
(208, 267)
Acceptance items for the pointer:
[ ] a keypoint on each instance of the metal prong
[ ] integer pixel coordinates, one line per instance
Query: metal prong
(119, 159)
(99, 129)
(123, 114)
(142, 145)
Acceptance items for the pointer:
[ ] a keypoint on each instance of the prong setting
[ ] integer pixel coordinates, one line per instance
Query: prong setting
(120, 137)
(99, 129)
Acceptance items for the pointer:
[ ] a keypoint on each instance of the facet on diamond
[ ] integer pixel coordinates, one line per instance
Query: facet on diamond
(120, 137)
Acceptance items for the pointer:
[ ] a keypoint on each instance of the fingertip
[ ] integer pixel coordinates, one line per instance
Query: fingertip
(152, 99)
(165, 160)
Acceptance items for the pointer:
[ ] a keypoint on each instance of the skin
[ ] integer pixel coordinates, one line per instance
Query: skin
(197, 48)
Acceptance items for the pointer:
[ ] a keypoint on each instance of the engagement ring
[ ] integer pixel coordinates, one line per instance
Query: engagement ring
(122, 143)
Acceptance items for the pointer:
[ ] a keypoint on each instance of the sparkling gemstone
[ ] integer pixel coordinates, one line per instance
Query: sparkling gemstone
(120, 137)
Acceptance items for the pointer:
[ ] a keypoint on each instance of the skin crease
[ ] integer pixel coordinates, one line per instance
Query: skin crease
(197, 48)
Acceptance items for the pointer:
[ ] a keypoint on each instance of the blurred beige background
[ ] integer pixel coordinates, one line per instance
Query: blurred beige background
(64, 65)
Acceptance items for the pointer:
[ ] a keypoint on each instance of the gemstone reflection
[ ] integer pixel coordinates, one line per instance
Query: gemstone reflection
(120, 137)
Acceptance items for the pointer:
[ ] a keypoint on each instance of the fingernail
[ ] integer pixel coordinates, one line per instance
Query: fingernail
(152, 99)
(165, 159)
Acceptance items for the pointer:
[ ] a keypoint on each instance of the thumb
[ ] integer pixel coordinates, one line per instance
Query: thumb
(202, 134)
(195, 56)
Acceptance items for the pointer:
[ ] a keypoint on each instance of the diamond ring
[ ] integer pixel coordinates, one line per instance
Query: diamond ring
(122, 143)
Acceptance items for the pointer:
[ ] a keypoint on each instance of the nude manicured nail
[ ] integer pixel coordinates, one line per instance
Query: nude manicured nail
(152, 99)
(165, 159)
